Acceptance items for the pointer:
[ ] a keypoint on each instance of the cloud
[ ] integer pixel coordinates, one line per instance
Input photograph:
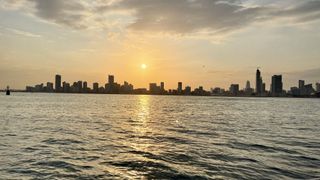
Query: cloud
(187, 17)
(12, 4)
(211, 16)
(23, 33)
(184, 17)
(70, 13)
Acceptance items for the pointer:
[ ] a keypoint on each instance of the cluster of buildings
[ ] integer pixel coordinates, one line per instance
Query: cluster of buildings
(111, 87)
(276, 89)
(82, 87)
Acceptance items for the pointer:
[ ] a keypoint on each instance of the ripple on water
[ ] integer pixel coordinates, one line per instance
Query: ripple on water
(61, 141)
(154, 170)
(73, 136)
(63, 165)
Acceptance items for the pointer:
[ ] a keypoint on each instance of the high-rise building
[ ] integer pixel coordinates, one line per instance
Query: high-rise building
(276, 85)
(111, 87)
(154, 89)
(248, 90)
(187, 90)
(248, 85)
(79, 86)
(318, 87)
(234, 89)
(258, 83)
(162, 86)
(179, 87)
(58, 83)
(308, 90)
(85, 86)
(50, 87)
(301, 84)
(66, 87)
(95, 87)
(126, 88)
(111, 79)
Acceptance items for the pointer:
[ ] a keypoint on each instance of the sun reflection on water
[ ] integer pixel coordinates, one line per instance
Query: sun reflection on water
(143, 109)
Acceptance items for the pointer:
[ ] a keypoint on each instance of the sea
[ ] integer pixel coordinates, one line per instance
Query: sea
(92, 136)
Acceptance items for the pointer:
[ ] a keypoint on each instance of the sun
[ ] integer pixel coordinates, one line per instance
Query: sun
(143, 66)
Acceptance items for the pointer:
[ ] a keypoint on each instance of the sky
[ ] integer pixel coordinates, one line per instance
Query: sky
(210, 43)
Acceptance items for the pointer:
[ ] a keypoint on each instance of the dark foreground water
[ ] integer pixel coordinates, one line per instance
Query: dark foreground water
(67, 136)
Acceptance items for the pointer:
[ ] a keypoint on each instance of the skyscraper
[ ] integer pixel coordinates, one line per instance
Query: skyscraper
(248, 90)
(234, 89)
(49, 87)
(111, 79)
(179, 87)
(301, 84)
(248, 85)
(58, 83)
(187, 90)
(85, 86)
(154, 89)
(79, 86)
(162, 86)
(258, 82)
(276, 85)
(95, 87)
(66, 87)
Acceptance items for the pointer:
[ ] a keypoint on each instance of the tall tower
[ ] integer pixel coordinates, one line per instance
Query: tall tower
(301, 84)
(162, 86)
(58, 83)
(179, 87)
(258, 82)
(248, 85)
(111, 79)
(276, 86)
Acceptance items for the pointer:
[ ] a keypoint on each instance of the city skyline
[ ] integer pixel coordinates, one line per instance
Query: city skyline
(113, 87)
(207, 42)
(242, 85)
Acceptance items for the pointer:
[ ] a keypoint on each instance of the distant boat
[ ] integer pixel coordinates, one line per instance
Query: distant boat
(8, 91)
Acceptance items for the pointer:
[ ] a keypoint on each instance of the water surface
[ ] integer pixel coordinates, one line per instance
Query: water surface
(58, 136)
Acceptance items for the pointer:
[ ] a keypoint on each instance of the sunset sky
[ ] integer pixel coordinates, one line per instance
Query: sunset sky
(212, 43)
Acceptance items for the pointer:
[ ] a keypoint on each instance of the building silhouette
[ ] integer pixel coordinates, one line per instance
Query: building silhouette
(79, 86)
(248, 85)
(179, 88)
(187, 90)
(162, 87)
(66, 87)
(259, 87)
(49, 87)
(318, 87)
(126, 88)
(304, 90)
(276, 85)
(58, 83)
(111, 79)
(248, 90)
(111, 87)
(301, 84)
(308, 90)
(154, 89)
(85, 87)
(234, 89)
(95, 87)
